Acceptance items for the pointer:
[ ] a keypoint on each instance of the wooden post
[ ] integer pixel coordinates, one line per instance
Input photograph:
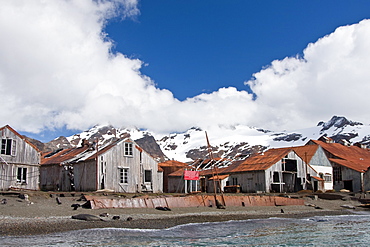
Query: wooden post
(214, 174)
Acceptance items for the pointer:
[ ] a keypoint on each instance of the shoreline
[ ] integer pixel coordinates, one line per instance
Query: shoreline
(42, 215)
(40, 226)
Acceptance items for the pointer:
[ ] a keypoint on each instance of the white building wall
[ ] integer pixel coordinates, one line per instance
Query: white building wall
(321, 164)
(328, 185)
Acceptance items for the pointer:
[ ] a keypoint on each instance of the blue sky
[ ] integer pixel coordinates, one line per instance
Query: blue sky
(193, 47)
(167, 65)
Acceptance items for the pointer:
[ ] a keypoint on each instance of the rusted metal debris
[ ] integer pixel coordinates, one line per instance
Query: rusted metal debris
(96, 202)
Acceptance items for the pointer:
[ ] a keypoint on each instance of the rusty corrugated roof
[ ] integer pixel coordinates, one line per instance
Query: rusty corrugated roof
(160, 169)
(306, 152)
(219, 177)
(259, 162)
(62, 156)
(359, 165)
(353, 157)
(180, 172)
(172, 163)
(81, 153)
(317, 178)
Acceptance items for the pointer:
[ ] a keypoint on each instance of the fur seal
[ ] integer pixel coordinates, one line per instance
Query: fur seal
(163, 208)
(87, 217)
(58, 200)
(219, 205)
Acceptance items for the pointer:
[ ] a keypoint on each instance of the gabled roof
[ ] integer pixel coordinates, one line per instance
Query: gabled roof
(359, 165)
(306, 152)
(258, 162)
(20, 136)
(62, 156)
(78, 154)
(353, 157)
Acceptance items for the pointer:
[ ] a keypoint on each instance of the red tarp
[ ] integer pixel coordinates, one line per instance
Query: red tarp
(191, 175)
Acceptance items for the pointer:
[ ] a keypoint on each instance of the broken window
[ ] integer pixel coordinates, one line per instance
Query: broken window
(327, 177)
(123, 175)
(148, 176)
(290, 165)
(8, 146)
(276, 178)
(337, 173)
(22, 175)
(128, 149)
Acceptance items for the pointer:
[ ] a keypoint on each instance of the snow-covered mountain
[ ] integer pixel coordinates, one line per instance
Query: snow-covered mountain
(226, 142)
(243, 140)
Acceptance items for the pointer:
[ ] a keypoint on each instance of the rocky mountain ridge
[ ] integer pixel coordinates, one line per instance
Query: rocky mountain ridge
(238, 141)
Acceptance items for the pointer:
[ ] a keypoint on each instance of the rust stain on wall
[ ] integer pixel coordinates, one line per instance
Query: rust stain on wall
(190, 201)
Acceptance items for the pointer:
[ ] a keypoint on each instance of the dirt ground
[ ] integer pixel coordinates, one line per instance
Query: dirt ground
(41, 212)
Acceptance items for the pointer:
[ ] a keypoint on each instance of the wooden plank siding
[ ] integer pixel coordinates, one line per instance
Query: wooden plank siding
(54, 178)
(120, 166)
(278, 170)
(109, 167)
(21, 167)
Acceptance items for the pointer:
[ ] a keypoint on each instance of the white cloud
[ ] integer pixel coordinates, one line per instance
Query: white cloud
(56, 69)
(331, 78)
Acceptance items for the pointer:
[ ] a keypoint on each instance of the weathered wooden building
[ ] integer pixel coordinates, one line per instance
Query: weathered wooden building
(20, 161)
(169, 167)
(276, 170)
(349, 164)
(177, 183)
(121, 166)
(315, 157)
(57, 171)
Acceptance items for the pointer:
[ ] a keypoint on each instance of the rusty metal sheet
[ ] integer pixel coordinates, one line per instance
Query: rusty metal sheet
(284, 201)
(139, 202)
(191, 201)
(181, 202)
(159, 202)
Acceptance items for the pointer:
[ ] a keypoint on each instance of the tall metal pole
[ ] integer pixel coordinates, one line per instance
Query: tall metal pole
(214, 174)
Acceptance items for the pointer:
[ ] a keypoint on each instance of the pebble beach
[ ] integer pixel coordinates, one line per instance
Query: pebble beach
(43, 213)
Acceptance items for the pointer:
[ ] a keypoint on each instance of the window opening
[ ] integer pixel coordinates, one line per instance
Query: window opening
(22, 175)
(148, 176)
(8, 146)
(327, 177)
(290, 165)
(128, 149)
(123, 175)
(276, 177)
(337, 173)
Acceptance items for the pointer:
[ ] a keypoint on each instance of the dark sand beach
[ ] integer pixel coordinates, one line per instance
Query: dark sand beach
(41, 214)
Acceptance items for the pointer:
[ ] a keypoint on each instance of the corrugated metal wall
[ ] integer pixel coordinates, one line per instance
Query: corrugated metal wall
(191, 201)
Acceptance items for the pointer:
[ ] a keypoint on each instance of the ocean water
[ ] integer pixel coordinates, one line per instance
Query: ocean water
(348, 230)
